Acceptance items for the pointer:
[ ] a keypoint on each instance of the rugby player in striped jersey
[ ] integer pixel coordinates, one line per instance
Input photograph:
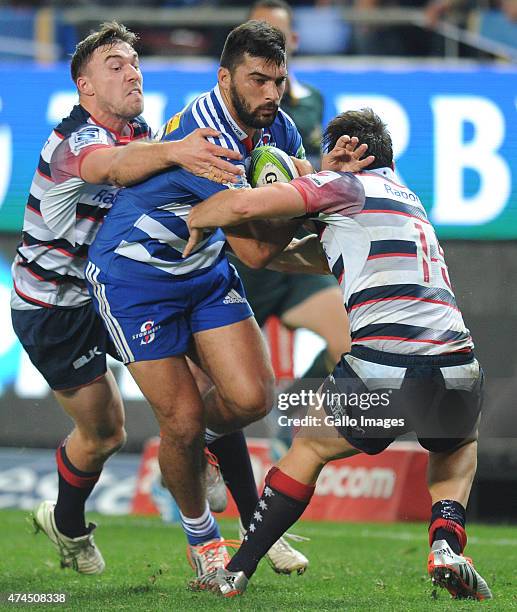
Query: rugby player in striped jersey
(80, 168)
(409, 342)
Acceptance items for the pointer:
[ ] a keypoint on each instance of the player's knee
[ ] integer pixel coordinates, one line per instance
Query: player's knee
(255, 402)
(116, 441)
(311, 450)
(106, 441)
(181, 426)
(335, 349)
(185, 435)
(324, 454)
(322, 450)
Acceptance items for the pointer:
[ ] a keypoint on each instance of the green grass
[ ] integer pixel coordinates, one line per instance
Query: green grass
(354, 567)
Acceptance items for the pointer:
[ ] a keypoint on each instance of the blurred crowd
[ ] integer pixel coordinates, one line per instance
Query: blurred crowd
(321, 26)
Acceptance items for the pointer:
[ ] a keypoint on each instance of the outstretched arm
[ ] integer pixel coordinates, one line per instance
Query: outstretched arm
(325, 191)
(137, 161)
(233, 207)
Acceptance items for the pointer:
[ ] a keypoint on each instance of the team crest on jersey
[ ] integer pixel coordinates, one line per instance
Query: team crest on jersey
(147, 332)
(87, 136)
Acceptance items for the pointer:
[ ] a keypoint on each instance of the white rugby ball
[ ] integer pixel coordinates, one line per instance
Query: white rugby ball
(270, 165)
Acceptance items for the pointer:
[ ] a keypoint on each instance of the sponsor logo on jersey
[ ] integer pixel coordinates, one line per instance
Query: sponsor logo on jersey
(147, 332)
(172, 124)
(106, 196)
(84, 359)
(400, 193)
(87, 136)
(322, 178)
(233, 297)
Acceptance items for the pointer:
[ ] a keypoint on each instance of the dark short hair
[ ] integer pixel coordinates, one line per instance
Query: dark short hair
(256, 38)
(109, 34)
(368, 128)
(272, 4)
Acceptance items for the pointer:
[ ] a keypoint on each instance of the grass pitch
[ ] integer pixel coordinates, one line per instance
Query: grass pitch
(354, 567)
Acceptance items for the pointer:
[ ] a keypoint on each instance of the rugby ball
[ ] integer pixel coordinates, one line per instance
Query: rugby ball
(270, 165)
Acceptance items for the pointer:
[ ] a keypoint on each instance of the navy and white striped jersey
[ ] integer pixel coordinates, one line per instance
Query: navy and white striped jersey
(63, 214)
(386, 257)
(146, 232)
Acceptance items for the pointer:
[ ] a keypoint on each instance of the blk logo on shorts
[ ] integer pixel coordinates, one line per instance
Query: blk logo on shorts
(147, 332)
(84, 359)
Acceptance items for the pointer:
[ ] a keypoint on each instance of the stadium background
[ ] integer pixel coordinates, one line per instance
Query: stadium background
(453, 117)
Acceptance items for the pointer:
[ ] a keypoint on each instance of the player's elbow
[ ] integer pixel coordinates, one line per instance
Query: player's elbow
(251, 260)
(117, 170)
(258, 257)
(118, 178)
(254, 263)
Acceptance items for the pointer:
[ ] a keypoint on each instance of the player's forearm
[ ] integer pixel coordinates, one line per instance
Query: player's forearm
(220, 210)
(138, 161)
(232, 207)
(302, 256)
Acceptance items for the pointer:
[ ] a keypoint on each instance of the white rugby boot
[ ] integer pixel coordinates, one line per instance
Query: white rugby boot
(81, 554)
(209, 556)
(456, 573)
(222, 582)
(282, 557)
(216, 492)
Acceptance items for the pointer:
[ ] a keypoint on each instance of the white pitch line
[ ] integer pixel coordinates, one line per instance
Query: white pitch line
(141, 522)
(406, 535)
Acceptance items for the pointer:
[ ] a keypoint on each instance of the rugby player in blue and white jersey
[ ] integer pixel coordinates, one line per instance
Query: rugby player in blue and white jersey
(80, 169)
(159, 307)
(409, 342)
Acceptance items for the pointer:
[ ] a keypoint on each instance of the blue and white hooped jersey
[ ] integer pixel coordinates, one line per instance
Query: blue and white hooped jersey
(145, 233)
(385, 255)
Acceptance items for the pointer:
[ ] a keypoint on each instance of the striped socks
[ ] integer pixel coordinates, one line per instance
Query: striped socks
(212, 436)
(202, 529)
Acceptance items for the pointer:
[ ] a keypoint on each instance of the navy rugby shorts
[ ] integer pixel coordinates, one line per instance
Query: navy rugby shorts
(373, 397)
(67, 345)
